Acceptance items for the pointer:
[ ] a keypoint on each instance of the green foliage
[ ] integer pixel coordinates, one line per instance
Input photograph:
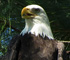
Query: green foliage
(58, 12)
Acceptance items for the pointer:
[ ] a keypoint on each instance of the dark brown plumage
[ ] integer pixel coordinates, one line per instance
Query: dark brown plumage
(31, 47)
(36, 48)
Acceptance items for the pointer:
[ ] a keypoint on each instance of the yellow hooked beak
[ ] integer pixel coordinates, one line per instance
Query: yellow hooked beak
(26, 13)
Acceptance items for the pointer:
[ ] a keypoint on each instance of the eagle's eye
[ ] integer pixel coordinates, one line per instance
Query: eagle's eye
(36, 9)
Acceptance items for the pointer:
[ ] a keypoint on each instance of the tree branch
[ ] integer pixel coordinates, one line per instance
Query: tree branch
(65, 42)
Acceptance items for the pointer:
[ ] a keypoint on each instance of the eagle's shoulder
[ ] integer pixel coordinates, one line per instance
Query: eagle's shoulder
(37, 47)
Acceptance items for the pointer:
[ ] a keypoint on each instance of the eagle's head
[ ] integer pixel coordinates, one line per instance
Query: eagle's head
(32, 11)
(36, 20)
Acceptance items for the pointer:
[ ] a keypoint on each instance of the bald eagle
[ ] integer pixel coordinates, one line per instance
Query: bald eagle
(36, 41)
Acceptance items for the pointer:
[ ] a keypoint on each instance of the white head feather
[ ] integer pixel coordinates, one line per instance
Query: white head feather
(39, 25)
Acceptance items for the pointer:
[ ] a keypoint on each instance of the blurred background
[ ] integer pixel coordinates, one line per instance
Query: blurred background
(11, 22)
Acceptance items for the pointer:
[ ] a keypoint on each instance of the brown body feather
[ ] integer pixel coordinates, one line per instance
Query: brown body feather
(37, 48)
(31, 47)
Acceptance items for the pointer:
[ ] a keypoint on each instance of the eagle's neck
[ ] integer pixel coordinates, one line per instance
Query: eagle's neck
(38, 27)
